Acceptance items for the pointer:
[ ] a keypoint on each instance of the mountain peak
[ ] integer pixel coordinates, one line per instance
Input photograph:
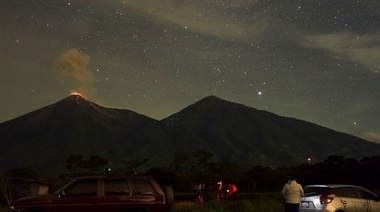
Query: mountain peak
(76, 96)
(78, 99)
(212, 98)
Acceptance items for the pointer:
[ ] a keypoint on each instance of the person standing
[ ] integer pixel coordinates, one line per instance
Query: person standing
(292, 192)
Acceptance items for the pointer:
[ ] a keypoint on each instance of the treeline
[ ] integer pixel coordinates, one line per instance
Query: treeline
(195, 168)
(190, 169)
(334, 170)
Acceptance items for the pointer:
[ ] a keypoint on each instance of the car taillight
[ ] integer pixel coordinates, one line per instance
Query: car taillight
(325, 199)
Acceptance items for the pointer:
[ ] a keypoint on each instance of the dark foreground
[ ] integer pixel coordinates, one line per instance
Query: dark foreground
(268, 202)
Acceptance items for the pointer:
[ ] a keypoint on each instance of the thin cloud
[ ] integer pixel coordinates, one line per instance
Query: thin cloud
(360, 49)
(201, 18)
(370, 136)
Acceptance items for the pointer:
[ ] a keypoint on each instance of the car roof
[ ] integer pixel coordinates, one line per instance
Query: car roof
(333, 186)
(97, 177)
(114, 177)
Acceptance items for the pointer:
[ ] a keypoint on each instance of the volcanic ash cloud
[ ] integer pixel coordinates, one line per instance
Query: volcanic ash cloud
(72, 66)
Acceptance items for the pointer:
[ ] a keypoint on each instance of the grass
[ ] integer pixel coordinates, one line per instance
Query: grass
(241, 205)
(269, 205)
(264, 202)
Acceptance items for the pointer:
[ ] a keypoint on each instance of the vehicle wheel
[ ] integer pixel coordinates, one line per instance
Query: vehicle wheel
(169, 197)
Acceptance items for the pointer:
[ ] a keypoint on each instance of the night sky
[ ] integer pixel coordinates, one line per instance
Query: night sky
(314, 60)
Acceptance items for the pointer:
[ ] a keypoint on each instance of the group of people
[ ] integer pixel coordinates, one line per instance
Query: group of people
(224, 191)
(292, 192)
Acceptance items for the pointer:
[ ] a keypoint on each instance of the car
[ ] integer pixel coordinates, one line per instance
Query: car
(338, 198)
(102, 193)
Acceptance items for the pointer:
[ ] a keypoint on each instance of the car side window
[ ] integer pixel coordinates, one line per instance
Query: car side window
(86, 187)
(346, 192)
(116, 187)
(142, 187)
(364, 194)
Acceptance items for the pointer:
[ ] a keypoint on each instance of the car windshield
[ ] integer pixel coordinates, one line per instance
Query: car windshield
(313, 190)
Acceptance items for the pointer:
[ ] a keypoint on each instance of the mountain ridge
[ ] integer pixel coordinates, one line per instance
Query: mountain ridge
(44, 138)
(266, 138)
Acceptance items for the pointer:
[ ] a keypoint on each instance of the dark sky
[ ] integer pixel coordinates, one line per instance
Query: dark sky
(314, 60)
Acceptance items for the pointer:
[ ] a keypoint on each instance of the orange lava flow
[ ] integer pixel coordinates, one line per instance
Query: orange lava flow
(74, 93)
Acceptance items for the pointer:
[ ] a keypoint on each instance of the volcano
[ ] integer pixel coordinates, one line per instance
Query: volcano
(45, 138)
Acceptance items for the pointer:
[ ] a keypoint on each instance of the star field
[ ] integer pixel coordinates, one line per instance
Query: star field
(315, 60)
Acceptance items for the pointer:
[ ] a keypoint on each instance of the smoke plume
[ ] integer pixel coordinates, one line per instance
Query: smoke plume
(72, 66)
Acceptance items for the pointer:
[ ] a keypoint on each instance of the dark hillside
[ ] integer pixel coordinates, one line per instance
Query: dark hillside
(253, 137)
(45, 138)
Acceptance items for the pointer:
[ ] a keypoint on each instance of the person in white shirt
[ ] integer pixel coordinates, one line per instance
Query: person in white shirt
(292, 193)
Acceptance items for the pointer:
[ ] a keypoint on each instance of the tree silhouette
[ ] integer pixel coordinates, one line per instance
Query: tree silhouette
(95, 162)
(132, 165)
(75, 162)
(79, 163)
(202, 167)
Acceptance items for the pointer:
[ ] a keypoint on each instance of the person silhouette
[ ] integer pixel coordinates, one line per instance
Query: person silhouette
(292, 192)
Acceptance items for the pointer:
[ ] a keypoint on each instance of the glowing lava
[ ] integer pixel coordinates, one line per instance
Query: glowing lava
(74, 93)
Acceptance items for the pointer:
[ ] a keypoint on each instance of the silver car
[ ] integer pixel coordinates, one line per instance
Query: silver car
(338, 198)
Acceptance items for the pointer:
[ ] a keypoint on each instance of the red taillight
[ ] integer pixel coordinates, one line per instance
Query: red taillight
(325, 199)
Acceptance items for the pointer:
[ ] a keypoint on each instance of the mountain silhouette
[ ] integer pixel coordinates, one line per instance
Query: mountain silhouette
(250, 136)
(43, 139)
